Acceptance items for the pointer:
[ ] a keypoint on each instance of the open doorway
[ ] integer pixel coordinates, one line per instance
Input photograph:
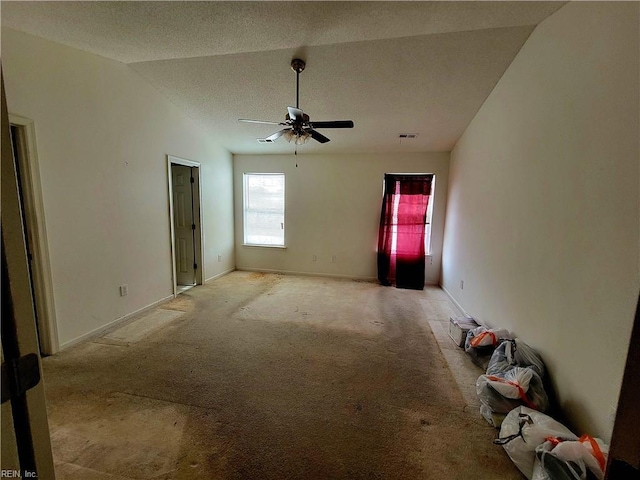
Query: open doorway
(23, 145)
(186, 223)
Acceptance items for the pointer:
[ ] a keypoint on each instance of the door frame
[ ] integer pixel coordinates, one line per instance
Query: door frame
(37, 233)
(624, 450)
(28, 407)
(199, 236)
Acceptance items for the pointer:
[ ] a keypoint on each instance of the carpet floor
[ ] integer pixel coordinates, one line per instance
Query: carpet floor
(264, 376)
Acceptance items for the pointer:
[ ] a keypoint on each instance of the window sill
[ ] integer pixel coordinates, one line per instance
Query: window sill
(283, 247)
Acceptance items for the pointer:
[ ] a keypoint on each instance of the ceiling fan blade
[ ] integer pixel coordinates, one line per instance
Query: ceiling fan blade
(277, 134)
(317, 135)
(333, 124)
(295, 114)
(246, 120)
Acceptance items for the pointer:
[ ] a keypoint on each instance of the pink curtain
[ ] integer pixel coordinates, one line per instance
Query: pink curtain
(401, 255)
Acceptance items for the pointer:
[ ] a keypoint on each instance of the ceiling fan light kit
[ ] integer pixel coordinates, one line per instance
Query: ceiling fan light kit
(298, 139)
(298, 127)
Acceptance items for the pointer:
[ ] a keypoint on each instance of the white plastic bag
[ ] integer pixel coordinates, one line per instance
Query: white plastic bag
(499, 394)
(521, 354)
(484, 337)
(514, 353)
(570, 459)
(523, 429)
(481, 342)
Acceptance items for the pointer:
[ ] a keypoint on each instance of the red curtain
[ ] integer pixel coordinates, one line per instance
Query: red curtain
(401, 255)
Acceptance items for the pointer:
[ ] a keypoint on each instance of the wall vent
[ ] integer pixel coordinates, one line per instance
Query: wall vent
(407, 135)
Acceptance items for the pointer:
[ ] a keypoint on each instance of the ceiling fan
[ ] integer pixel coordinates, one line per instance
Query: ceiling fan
(298, 126)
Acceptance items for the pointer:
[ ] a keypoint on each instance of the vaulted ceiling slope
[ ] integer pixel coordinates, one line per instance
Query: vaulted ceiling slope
(391, 67)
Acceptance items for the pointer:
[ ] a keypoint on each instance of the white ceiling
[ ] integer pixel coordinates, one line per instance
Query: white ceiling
(391, 67)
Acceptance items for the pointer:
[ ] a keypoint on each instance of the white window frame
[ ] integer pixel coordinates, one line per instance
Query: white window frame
(428, 219)
(245, 198)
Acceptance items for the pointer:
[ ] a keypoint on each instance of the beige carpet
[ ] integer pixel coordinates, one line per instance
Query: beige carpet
(142, 327)
(274, 377)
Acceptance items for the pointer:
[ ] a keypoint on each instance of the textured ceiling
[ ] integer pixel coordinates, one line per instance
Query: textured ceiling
(391, 67)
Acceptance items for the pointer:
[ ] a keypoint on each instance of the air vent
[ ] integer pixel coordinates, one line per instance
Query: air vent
(407, 135)
(265, 140)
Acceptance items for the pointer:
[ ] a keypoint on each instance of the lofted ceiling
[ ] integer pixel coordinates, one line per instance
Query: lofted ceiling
(392, 67)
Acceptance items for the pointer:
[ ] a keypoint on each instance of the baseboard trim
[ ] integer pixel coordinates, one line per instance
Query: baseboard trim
(309, 274)
(103, 329)
(222, 274)
(455, 302)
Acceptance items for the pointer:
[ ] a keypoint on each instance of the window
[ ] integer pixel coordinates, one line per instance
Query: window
(427, 226)
(404, 224)
(264, 209)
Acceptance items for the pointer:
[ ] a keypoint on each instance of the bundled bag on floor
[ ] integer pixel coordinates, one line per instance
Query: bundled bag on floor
(514, 353)
(499, 394)
(524, 429)
(581, 459)
(481, 342)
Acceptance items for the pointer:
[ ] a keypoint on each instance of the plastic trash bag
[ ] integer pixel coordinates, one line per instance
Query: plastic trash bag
(493, 405)
(483, 337)
(514, 353)
(481, 342)
(501, 393)
(580, 459)
(523, 429)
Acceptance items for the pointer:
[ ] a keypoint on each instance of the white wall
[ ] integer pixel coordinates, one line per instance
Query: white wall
(333, 208)
(103, 134)
(543, 209)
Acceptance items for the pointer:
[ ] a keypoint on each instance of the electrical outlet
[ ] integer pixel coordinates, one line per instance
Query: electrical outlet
(333, 259)
(314, 258)
(461, 284)
(219, 258)
(124, 290)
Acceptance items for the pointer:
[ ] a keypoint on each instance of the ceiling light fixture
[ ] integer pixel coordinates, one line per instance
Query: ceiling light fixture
(299, 138)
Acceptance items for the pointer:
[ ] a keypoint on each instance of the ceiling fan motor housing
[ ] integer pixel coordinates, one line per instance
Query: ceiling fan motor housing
(298, 125)
(305, 119)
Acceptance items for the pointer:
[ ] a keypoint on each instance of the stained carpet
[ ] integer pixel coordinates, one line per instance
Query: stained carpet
(273, 377)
